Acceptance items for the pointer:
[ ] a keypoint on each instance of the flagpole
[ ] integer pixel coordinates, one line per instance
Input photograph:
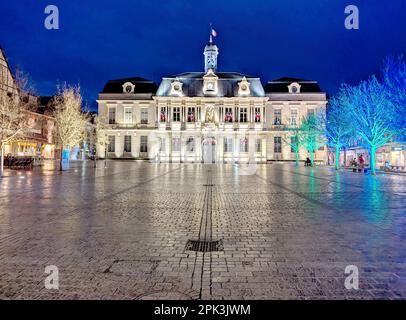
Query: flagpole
(211, 36)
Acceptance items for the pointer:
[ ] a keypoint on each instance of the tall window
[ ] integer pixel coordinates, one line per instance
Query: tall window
(277, 144)
(244, 144)
(144, 115)
(310, 112)
(191, 114)
(128, 115)
(257, 115)
(112, 115)
(112, 144)
(293, 142)
(162, 117)
(176, 114)
(144, 144)
(127, 143)
(228, 144)
(243, 114)
(293, 117)
(277, 116)
(175, 144)
(258, 146)
(228, 116)
(190, 144)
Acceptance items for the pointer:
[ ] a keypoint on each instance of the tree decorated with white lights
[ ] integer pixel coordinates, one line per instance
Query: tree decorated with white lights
(69, 118)
(99, 136)
(11, 120)
(13, 103)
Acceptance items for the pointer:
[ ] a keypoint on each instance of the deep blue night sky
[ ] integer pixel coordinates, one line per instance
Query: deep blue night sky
(104, 39)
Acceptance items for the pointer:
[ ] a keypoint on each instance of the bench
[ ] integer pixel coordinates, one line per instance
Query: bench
(19, 162)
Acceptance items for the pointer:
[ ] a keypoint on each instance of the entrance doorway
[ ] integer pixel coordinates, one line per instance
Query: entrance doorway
(209, 150)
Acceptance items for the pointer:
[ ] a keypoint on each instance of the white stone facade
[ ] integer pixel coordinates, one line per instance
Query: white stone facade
(206, 117)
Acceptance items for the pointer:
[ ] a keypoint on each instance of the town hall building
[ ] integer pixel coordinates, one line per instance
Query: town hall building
(209, 117)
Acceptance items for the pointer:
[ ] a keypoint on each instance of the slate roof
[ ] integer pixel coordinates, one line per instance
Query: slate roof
(281, 85)
(142, 85)
(227, 84)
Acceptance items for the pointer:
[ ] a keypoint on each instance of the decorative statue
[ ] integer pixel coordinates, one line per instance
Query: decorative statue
(209, 115)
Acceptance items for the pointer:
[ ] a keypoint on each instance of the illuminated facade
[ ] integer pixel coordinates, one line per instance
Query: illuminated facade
(206, 116)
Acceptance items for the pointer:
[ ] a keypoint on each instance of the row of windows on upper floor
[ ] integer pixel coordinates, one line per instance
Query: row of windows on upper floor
(191, 115)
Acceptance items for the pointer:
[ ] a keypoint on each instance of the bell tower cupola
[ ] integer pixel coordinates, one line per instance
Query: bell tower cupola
(210, 54)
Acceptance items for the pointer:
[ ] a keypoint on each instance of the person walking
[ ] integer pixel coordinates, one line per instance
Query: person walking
(361, 162)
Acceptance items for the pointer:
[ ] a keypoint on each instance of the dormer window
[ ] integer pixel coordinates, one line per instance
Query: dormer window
(176, 88)
(243, 87)
(128, 87)
(294, 87)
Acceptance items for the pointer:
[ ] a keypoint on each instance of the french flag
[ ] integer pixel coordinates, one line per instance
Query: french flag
(213, 32)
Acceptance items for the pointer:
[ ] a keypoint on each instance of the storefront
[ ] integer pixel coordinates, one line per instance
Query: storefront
(30, 149)
(392, 155)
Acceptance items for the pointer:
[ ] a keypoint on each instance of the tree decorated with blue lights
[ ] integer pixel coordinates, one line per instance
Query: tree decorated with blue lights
(312, 133)
(338, 127)
(294, 139)
(394, 81)
(372, 114)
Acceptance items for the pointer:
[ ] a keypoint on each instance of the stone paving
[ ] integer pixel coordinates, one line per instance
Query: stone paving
(120, 232)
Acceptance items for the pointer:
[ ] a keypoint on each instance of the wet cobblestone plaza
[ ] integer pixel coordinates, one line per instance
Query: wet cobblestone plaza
(121, 232)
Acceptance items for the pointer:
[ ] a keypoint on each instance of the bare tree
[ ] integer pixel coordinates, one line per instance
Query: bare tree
(69, 119)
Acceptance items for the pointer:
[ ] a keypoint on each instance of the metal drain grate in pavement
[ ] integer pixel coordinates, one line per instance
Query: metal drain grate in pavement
(204, 246)
(208, 185)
